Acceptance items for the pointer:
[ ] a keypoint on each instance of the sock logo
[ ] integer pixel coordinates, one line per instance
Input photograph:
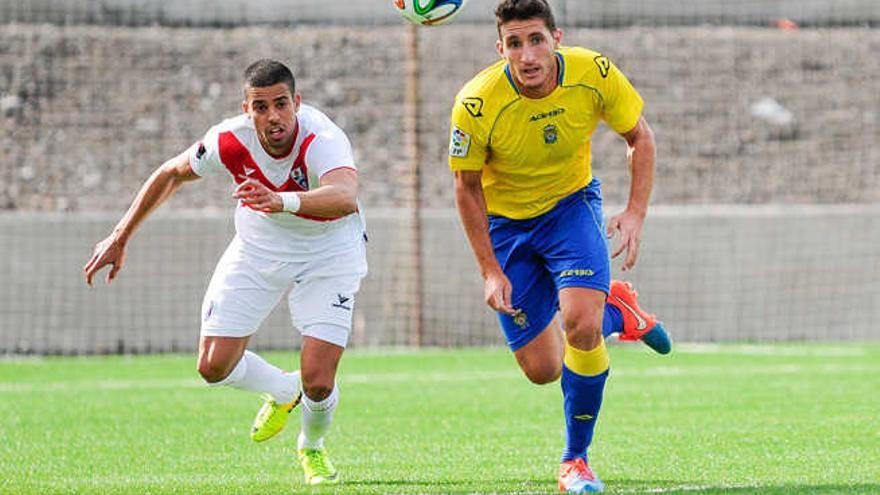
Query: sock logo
(583, 417)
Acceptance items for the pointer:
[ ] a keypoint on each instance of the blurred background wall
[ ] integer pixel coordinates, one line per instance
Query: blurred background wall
(766, 195)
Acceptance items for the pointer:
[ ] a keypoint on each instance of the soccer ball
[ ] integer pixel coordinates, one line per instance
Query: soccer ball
(429, 12)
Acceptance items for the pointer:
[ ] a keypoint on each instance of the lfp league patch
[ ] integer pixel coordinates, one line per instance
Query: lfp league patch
(459, 143)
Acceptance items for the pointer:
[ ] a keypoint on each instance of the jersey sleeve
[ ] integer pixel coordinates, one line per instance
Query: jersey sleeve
(622, 103)
(468, 147)
(204, 155)
(330, 150)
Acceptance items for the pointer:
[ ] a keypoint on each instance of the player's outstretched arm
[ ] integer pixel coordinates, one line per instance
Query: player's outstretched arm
(472, 210)
(164, 181)
(640, 153)
(335, 197)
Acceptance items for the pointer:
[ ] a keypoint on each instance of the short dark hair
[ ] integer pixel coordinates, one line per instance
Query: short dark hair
(266, 72)
(523, 10)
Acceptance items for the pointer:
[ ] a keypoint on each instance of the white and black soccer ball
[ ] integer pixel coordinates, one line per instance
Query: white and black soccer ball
(429, 12)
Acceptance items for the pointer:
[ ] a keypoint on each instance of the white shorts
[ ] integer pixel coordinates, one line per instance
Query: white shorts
(246, 288)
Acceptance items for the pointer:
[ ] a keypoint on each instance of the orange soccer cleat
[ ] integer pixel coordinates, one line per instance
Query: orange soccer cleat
(575, 476)
(637, 324)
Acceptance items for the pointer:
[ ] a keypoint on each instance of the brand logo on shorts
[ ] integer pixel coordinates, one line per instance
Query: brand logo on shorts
(577, 272)
(342, 300)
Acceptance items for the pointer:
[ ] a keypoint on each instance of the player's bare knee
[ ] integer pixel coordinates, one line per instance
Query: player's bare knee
(543, 374)
(583, 334)
(212, 371)
(318, 391)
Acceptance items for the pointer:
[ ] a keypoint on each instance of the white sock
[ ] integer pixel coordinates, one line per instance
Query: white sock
(255, 374)
(316, 419)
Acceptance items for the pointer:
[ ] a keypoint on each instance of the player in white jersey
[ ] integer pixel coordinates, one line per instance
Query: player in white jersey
(298, 227)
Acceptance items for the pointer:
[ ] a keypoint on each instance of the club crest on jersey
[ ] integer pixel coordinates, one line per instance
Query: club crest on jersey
(520, 319)
(300, 178)
(550, 136)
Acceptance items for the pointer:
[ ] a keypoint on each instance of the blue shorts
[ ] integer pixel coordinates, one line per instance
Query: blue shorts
(565, 247)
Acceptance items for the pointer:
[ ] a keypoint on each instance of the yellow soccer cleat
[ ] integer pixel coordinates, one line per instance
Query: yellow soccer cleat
(271, 418)
(317, 467)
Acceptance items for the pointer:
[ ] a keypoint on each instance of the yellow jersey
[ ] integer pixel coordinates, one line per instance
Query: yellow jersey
(534, 152)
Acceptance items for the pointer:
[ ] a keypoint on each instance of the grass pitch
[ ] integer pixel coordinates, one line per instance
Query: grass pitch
(745, 419)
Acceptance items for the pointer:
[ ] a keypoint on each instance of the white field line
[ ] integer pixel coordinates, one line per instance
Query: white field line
(453, 376)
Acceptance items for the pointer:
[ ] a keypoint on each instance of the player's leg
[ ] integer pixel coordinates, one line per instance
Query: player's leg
(541, 358)
(319, 362)
(622, 313)
(239, 297)
(573, 245)
(321, 306)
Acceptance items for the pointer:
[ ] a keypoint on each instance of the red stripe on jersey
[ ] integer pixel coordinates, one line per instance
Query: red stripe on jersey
(299, 168)
(241, 165)
(238, 161)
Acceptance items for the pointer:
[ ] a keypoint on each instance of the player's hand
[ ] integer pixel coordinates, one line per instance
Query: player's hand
(110, 251)
(258, 196)
(497, 293)
(629, 227)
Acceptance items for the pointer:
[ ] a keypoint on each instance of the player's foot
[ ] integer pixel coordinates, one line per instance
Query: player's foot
(271, 418)
(575, 476)
(317, 467)
(637, 324)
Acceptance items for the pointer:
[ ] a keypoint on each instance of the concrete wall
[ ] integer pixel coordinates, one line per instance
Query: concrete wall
(569, 12)
(710, 273)
(79, 134)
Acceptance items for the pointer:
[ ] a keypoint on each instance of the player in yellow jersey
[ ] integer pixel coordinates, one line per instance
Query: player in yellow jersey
(532, 211)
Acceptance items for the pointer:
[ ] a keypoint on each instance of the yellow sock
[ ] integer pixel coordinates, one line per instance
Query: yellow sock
(587, 363)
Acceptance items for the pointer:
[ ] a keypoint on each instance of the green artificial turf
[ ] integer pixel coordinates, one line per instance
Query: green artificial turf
(764, 419)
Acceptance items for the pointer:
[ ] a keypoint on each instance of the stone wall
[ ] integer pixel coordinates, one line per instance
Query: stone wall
(88, 112)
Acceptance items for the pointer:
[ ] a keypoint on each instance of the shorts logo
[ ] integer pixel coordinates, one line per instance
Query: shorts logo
(550, 136)
(200, 152)
(603, 64)
(340, 303)
(459, 143)
(576, 272)
(520, 319)
(474, 106)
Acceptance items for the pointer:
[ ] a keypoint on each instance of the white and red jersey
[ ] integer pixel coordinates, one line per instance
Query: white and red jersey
(319, 146)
